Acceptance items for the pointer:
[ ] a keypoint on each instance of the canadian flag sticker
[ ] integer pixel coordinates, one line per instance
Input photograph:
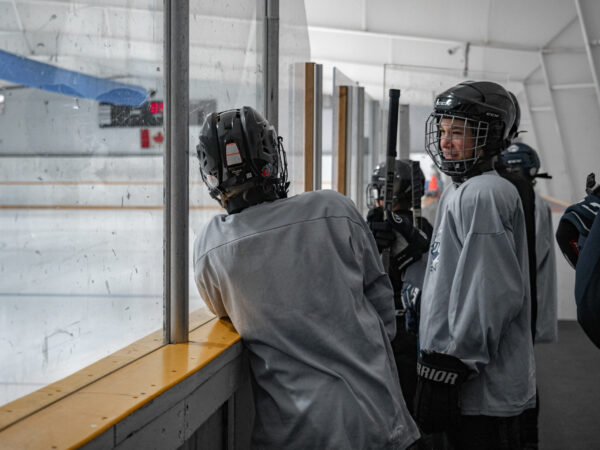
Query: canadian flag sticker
(232, 153)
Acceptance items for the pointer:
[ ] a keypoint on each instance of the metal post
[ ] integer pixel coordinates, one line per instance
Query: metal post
(359, 136)
(318, 127)
(376, 130)
(176, 294)
(271, 62)
(350, 144)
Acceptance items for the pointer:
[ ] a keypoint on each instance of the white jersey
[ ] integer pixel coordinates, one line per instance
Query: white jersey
(546, 324)
(303, 284)
(476, 303)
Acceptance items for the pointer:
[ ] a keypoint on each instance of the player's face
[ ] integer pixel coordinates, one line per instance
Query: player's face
(456, 139)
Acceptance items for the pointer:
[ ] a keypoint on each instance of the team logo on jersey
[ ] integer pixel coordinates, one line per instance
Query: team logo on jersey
(434, 250)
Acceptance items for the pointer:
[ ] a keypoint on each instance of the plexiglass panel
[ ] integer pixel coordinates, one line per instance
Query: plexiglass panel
(357, 138)
(294, 51)
(81, 142)
(226, 51)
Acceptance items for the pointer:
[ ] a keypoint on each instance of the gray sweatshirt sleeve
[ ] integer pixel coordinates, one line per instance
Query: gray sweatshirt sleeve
(377, 286)
(488, 292)
(207, 287)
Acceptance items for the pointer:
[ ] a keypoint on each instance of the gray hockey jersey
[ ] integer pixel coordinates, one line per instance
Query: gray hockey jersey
(546, 324)
(303, 284)
(475, 303)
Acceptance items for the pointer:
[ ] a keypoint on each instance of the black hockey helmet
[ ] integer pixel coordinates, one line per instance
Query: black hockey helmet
(402, 183)
(240, 151)
(521, 158)
(482, 112)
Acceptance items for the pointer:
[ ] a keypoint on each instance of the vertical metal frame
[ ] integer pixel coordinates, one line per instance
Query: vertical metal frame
(313, 118)
(341, 120)
(271, 62)
(309, 126)
(176, 172)
(376, 129)
(350, 144)
(318, 127)
(359, 136)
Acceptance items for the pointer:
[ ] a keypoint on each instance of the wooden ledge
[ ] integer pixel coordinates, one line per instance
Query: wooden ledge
(89, 411)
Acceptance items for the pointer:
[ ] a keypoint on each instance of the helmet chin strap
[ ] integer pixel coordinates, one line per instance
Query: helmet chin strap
(484, 164)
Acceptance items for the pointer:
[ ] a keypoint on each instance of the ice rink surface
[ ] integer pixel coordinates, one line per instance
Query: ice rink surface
(77, 285)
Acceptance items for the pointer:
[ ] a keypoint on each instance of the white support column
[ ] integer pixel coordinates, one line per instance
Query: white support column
(588, 12)
(560, 125)
(547, 139)
(530, 136)
(570, 80)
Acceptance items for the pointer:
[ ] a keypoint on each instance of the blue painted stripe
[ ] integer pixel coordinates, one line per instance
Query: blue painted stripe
(27, 72)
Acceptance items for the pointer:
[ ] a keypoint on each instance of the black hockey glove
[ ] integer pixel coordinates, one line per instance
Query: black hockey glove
(382, 231)
(592, 186)
(417, 242)
(437, 399)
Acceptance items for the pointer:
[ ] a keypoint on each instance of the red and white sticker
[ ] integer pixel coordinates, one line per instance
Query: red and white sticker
(232, 154)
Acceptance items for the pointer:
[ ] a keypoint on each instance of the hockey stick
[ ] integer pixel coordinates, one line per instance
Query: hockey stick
(390, 164)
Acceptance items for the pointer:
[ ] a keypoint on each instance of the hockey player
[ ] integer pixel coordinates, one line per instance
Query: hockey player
(522, 159)
(302, 282)
(527, 196)
(407, 266)
(476, 368)
(578, 236)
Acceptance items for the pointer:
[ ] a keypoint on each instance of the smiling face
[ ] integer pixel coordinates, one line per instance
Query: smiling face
(456, 139)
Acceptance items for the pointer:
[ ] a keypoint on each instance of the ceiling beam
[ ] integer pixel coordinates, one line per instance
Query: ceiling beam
(490, 44)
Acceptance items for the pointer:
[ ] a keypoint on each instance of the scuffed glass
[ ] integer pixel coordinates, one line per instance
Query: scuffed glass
(227, 45)
(294, 52)
(226, 51)
(372, 142)
(81, 170)
(357, 142)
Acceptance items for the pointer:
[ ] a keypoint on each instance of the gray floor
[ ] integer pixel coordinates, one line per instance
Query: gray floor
(568, 375)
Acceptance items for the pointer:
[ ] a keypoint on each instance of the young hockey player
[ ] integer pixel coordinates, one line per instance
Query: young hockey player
(407, 245)
(301, 280)
(476, 368)
(521, 160)
(578, 236)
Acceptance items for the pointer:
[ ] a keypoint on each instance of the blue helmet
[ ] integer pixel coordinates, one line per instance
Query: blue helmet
(521, 158)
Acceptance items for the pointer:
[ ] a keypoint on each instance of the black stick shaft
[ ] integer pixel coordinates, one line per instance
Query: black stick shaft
(390, 161)
(390, 165)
